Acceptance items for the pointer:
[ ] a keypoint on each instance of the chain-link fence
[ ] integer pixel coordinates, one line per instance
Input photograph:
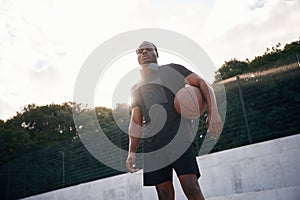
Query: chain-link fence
(260, 106)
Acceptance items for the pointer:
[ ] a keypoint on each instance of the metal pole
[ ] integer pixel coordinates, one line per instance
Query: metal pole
(63, 166)
(243, 107)
(8, 180)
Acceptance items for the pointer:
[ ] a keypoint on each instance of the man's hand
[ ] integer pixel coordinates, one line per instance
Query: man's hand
(130, 162)
(213, 121)
(214, 125)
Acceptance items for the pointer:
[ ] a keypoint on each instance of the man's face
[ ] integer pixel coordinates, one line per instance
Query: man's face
(146, 54)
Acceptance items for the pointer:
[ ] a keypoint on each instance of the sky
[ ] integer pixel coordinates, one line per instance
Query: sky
(43, 44)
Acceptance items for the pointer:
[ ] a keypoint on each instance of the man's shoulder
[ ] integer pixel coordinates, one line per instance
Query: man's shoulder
(136, 86)
(179, 68)
(172, 65)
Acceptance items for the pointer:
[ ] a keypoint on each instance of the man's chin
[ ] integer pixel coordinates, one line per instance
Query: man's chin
(148, 62)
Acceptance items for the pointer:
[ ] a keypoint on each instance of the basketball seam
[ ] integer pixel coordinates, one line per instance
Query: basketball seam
(198, 111)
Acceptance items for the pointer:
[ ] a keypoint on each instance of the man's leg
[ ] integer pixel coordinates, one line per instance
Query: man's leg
(191, 187)
(165, 191)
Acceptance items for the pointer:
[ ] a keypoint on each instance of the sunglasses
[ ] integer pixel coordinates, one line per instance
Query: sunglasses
(139, 51)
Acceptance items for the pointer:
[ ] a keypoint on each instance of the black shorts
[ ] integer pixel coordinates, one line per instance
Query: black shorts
(185, 164)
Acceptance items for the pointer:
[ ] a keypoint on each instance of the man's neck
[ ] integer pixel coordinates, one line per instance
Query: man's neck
(148, 68)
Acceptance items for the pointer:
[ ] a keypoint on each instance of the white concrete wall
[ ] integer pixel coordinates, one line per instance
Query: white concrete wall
(269, 170)
(264, 171)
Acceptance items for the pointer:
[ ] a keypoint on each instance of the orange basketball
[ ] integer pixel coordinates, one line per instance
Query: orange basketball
(188, 102)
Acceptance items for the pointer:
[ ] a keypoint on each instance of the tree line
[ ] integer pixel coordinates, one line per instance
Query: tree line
(36, 127)
(273, 57)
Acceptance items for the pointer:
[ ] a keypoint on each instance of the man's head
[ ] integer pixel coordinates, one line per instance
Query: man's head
(147, 53)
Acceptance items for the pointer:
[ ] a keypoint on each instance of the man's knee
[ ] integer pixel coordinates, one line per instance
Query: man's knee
(192, 190)
(165, 191)
(191, 187)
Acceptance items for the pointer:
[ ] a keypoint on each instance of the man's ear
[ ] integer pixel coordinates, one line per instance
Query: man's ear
(155, 50)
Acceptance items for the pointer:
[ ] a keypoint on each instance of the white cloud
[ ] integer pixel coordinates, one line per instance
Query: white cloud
(277, 21)
(257, 4)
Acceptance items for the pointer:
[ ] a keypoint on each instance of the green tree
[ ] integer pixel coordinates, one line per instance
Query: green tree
(36, 127)
(232, 68)
(48, 124)
(273, 57)
(13, 144)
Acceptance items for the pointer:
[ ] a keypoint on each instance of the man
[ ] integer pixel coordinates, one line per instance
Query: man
(167, 136)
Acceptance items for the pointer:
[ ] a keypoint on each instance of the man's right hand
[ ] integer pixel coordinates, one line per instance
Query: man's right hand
(130, 162)
(214, 125)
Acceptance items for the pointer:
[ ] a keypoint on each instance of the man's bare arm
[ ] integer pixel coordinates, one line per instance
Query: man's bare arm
(135, 132)
(213, 121)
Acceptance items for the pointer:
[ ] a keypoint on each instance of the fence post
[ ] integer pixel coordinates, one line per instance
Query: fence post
(63, 167)
(243, 107)
(8, 180)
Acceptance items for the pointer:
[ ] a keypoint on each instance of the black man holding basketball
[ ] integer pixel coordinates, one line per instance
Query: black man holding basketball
(167, 137)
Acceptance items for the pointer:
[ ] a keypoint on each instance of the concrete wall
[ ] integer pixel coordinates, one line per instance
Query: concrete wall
(264, 171)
